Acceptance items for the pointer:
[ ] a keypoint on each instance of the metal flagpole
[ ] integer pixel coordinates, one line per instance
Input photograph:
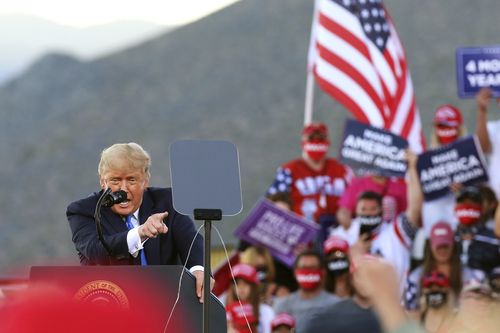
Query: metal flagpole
(308, 109)
(311, 59)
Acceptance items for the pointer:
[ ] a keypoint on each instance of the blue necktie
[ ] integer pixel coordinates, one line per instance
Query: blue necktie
(128, 222)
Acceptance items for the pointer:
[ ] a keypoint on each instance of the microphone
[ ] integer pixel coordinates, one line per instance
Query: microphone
(114, 198)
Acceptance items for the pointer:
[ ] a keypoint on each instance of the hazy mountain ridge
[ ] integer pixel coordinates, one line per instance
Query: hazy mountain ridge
(237, 75)
(23, 38)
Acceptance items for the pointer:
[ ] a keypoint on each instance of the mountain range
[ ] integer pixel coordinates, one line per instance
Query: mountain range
(236, 75)
(25, 38)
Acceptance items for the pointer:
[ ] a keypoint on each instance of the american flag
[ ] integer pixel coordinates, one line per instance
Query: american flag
(358, 59)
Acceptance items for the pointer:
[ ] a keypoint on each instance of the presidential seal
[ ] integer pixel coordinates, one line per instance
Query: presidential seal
(103, 292)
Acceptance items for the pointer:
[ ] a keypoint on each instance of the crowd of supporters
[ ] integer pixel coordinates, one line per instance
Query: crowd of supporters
(385, 259)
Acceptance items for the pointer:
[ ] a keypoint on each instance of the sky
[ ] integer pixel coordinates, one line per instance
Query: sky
(84, 13)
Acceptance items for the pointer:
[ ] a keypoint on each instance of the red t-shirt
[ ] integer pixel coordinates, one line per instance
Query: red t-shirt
(313, 193)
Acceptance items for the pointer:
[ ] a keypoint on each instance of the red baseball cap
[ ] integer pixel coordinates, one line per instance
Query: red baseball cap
(245, 272)
(441, 234)
(283, 319)
(448, 115)
(335, 243)
(315, 128)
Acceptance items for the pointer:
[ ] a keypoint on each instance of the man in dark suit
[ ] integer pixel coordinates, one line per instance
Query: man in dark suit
(144, 229)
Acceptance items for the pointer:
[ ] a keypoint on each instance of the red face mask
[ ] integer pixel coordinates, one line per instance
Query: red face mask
(468, 214)
(236, 315)
(446, 134)
(316, 149)
(308, 278)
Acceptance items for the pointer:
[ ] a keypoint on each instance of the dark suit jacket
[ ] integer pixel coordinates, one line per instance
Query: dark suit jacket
(166, 249)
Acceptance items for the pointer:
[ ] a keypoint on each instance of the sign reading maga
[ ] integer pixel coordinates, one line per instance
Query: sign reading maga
(369, 148)
(460, 162)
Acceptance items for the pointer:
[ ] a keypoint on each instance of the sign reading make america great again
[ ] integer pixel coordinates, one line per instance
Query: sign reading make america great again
(369, 148)
(459, 162)
(277, 230)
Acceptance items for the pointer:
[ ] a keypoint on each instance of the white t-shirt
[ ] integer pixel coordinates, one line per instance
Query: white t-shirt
(441, 209)
(266, 315)
(393, 243)
(494, 134)
(350, 235)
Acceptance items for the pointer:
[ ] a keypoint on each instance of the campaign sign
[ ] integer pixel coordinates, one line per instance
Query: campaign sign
(277, 230)
(369, 148)
(459, 162)
(478, 67)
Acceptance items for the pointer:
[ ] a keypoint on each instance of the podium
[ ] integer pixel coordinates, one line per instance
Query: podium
(140, 289)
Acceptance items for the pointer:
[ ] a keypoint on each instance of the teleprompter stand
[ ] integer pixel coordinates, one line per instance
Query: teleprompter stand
(207, 215)
(206, 183)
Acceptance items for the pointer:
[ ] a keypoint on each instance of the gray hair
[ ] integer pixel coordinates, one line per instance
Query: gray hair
(125, 156)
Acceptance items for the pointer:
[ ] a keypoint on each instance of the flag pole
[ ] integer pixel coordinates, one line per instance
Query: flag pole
(308, 108)
(311, 60)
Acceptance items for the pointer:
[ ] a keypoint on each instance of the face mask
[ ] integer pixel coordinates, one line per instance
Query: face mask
(436, 299)
(468, 214)
(316, 150)
(236, 314)
(446, 135)
(308, 278)
(338, 266)
(370, 225)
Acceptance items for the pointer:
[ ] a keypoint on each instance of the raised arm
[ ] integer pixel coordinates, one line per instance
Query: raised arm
(482, 100)
(414, 190)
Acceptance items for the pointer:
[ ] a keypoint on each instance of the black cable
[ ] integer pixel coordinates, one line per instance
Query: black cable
(97, 218)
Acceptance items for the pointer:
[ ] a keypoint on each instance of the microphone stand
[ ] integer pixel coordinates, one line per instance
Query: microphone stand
(97, 218)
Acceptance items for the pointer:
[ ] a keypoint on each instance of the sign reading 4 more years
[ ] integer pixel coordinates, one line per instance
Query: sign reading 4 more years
(460, 162)
(367, 148)
(478, 67)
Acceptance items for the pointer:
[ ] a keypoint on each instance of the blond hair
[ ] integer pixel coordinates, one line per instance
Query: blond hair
(250, 257)
(121, 156)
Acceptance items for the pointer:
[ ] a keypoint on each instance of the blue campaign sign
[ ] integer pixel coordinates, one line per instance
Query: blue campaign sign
(460, 162)
(478, 67)
(367, 148)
